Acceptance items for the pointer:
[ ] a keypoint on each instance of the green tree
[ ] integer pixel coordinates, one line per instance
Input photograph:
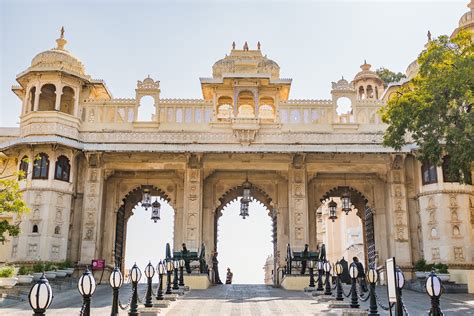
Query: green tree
(11, 202)
(389, 76)
(434, 108)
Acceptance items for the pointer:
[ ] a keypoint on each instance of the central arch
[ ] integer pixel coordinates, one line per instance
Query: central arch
(258, 195)
(364, 211)
(129, 202)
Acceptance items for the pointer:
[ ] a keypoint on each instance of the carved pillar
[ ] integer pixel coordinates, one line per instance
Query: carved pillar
(192, 212)
(298, 204)
(59, 92)
(399, 213)
(37, 97)
(93, 192)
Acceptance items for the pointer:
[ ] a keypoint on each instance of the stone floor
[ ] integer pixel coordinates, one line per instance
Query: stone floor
(240, 300)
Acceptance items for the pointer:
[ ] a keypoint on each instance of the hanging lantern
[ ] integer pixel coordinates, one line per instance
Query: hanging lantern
(346, 202)
(245, 200)
(146, 199)
(244, 208)
(332, 210)
(155, 211)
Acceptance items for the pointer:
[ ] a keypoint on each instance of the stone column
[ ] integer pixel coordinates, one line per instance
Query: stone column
(93, 192)
(399, 214)
(37, 97)
(192, 212)
(298, 204)
(59, 92)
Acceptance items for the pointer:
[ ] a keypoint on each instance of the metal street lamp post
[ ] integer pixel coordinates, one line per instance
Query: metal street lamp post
(86, 286)
(320, 276)
(181, 272)
(400, 282)
(354, 273)
(175, 279)
(169, 270)
(338, 268)
(40, 296)
(135, 276)
(311, 273)
(433, 288)
(161, 272)
(149, 273)
(115, 281)
(327, 269)
(372, 277)
(332, 210)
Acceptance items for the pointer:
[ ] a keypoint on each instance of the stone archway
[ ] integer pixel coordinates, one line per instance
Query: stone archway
(366, 214)
(258, 195)
(129, 202)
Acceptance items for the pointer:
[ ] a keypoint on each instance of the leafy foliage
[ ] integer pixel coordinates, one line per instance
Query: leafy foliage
(7, 272)
(420, 265)
(434, 108)
(389, 76)
(39, 267)
(11, 202)
(24, 270)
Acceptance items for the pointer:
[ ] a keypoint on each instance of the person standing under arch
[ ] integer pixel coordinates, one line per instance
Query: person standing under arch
(229, 276)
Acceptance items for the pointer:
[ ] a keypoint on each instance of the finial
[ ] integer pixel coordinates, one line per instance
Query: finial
(233, 45)
(365, 61)
(342, 77)
(246, 46)
(258, 45)
(429, 36)
(60, 42)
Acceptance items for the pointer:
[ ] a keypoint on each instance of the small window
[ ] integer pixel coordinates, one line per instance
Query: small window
(23, 168)
(428, 172)
(35, 229)
(57, 230)
(62, 169)
(41, 167)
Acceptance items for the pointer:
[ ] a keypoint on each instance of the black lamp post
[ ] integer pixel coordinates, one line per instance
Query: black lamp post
(320, 276)
(161, 272)
(354, 273)
(327, 282)
(372, 277)
(181, 272)
(135, 276)
(149, 273)
(115, 281)
(311, 273)
(400, 282)
(338, 269)
(433, 288)
(175, 279)
(169, 270)
(86, 286)
(40, 296)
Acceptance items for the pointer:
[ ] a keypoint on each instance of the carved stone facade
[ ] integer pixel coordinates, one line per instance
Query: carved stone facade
(196, 154)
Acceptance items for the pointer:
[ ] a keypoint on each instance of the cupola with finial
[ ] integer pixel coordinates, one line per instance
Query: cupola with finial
(367, 83)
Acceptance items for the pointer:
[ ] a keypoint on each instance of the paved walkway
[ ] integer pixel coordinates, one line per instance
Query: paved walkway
(246, 300)
(238, 299)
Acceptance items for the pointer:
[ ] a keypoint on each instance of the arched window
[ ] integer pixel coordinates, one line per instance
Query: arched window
(41, 167)
(67, 101)
(35, 229)
(23, 168)
(47, 98)
(57, 230)
(428, 172)
(63, 169)
(376, 93)
(370, 92)
(361, 93)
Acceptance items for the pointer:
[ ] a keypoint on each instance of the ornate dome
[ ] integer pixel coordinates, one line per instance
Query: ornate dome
(58, 59)
(245, 62)
(366, 73)
(342, 84)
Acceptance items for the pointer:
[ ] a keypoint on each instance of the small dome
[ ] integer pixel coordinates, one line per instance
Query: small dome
(366, 73)
(58, 59)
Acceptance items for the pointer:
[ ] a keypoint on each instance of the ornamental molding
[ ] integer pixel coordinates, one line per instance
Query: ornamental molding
(433, 192)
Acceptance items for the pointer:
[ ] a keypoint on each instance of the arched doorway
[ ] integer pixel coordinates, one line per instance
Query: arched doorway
(131, 202)
(251, 230)
(361, 208)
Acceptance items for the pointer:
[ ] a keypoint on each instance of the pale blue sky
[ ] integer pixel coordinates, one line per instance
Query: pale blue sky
(177, 42)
